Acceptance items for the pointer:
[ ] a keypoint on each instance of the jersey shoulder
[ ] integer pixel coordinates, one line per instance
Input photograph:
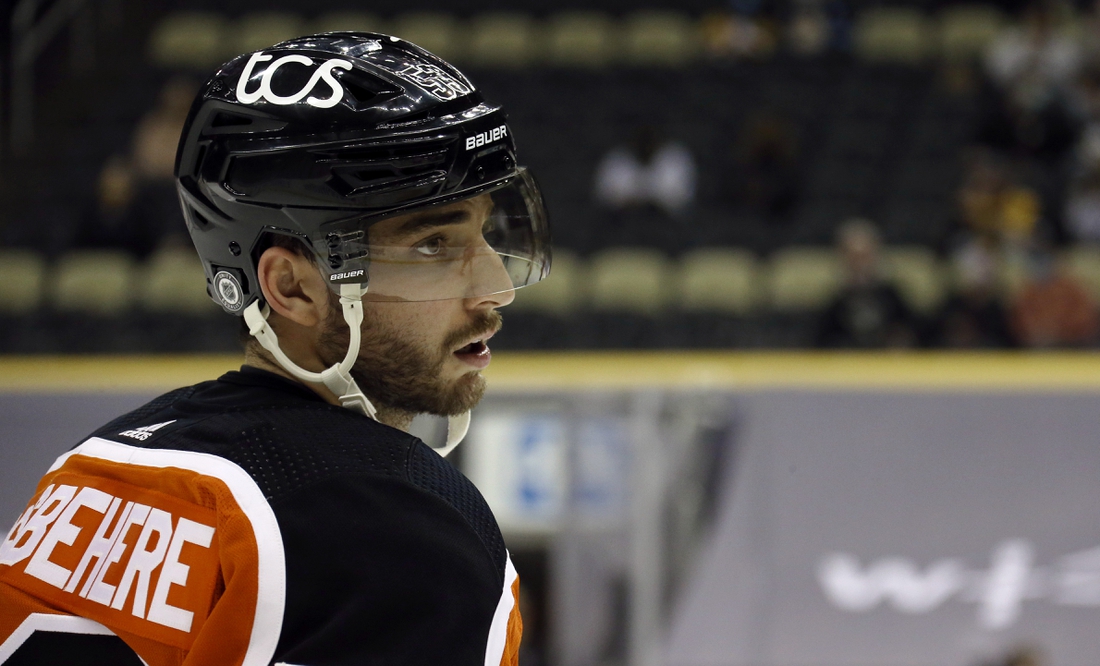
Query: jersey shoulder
(288, 443)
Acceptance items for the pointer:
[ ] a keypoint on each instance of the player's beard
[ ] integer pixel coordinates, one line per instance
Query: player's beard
(398, 374)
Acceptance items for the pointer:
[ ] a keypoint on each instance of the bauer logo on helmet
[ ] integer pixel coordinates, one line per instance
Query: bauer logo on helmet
(346, 275)
(482, 138)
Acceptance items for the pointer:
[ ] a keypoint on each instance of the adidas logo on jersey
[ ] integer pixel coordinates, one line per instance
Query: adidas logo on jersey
(145, 432)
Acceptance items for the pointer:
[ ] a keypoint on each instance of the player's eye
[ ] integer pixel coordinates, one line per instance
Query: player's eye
(432, 247)
(492, 232)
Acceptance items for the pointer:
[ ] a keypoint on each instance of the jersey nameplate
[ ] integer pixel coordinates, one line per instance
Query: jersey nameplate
(118, 554)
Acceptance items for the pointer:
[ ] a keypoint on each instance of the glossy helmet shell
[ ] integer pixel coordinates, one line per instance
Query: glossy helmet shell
(324, 127)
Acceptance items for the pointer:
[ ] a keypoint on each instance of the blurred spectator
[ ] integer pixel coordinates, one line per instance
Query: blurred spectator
(992, 206)
(766, 180)
(649, 171)
(868, 312)
(808, 30)
(152, 216)
(1083, 208)
(839, 15)
(130, 215)
(108, 222)
(973, 318)
(1088, 107)
(158, 133)
(737, 35)
(1090, 32)
(1053, 309)
(1024, 655)
(1033, 67)
(1035, 53)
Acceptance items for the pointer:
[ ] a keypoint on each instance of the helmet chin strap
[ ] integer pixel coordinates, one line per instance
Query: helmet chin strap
(456, 430)
(338, 378)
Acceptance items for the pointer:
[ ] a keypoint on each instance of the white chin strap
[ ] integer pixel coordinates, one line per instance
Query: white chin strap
(338, 378)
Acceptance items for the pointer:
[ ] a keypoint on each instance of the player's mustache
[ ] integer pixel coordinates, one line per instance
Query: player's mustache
(482, 325)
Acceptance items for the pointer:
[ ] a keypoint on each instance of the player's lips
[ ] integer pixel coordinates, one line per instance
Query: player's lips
(477, 352)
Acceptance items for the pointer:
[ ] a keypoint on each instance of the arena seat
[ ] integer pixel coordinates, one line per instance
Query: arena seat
(634, 280)
(258, 30)
(21, 279)
(801, 279)
(189, 40)
(629, 290)
(922, 177)
(965, 31)
(861, 139)
(841, 177)
(580, 39)
(659, 38)
(560, 293)
(348, 20)
(939, 136)
(172, 280)
(1083, 262)
(1012, 275)
(722, 280)
(917, 274)
(435, 31)
(96, 282)
(907, 221)
(892, 34)
(502, 39)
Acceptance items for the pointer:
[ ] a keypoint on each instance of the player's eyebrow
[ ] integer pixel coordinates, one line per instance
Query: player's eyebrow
(431, 219)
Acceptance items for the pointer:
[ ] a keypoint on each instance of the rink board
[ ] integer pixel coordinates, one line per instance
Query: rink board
(885, 510)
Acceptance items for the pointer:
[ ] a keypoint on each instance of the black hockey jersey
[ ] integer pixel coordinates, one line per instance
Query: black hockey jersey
(247, 521)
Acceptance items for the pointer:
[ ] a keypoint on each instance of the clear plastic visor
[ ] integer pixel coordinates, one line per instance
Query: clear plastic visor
(489, 243)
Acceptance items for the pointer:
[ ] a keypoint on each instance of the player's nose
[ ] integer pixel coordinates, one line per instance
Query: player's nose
(490, 281)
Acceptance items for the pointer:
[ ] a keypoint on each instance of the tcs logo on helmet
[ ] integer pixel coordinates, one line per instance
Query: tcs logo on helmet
(265, 93)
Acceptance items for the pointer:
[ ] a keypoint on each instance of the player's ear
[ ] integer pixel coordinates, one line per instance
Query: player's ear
(292, 286)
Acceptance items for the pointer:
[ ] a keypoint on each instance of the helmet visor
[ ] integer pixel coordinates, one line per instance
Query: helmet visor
(488, 243)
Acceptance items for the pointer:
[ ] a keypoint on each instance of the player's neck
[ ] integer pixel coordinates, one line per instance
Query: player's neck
(395, 418)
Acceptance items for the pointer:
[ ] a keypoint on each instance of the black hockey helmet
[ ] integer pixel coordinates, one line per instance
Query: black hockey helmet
(323, 137)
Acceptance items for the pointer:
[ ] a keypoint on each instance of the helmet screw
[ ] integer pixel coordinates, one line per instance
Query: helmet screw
(480, 172)
(335, 261)
(235, 248)
(508, 163)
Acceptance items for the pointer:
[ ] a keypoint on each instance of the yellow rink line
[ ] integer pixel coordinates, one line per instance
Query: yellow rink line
(522, 371)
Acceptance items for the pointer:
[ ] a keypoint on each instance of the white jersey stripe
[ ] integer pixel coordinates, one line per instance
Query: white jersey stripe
(64, 624)
(498, 630)
(268, 623)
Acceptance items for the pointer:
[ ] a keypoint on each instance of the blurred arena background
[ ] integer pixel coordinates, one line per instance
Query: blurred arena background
(731, 184)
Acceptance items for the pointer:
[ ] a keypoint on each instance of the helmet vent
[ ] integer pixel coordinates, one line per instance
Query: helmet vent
(361, 94)
(226, 119)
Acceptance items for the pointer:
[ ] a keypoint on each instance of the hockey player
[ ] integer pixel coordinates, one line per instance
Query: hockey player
(359, 205)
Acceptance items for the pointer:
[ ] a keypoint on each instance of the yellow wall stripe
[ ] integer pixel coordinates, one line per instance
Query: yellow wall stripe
(515, 371)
